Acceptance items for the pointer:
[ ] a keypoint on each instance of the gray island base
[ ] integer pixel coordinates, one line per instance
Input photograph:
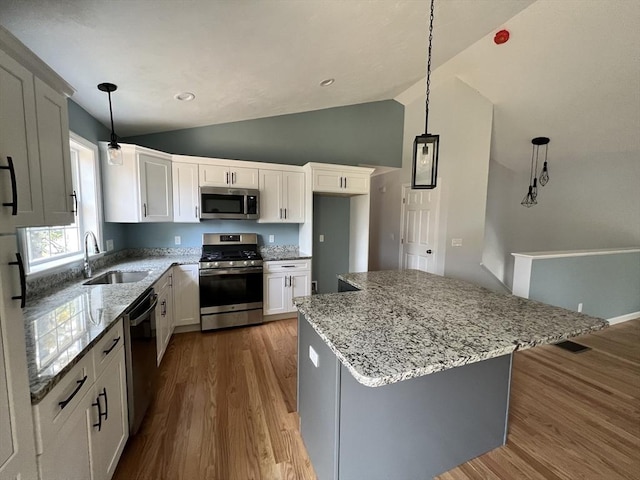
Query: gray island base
(408, 376)
(414, 429)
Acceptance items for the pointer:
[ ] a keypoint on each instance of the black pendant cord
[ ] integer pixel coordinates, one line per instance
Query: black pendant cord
(114, 138)
(533, 152)
(535, 170)
(426, 116)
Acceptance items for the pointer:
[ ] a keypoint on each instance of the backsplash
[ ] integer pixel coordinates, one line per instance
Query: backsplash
(37, 285)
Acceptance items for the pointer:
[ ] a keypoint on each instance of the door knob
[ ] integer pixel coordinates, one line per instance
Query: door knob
(429, 252)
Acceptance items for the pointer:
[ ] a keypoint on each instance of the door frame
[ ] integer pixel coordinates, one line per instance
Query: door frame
(438, 263)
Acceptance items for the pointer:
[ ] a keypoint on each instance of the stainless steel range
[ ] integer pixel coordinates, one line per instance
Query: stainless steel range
(230, 280)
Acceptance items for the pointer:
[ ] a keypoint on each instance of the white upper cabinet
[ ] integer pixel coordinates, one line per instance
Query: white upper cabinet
(186, 201)
(340, 179)
(35, 168)
(141, 189)
(281, 196)
(228, 174)
(55, 157)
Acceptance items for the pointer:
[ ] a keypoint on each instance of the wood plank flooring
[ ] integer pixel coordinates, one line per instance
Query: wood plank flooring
(225, 410)
(571, 415)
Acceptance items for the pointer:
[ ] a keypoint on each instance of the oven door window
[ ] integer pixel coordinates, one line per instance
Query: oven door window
(230, 289)
(215, 203)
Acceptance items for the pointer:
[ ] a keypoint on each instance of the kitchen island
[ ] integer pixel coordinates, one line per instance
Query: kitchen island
(438, 352)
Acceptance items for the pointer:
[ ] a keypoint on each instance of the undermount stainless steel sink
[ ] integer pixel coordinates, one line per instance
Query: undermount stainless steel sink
(116, 276)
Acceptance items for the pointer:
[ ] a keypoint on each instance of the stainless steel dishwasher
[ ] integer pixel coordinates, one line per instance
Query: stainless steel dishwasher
(141, 356)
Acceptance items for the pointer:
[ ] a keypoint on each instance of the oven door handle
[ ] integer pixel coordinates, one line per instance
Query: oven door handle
(212, 272)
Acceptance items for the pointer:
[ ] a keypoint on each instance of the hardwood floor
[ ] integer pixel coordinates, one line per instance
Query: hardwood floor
(571, 415)
(225, 409)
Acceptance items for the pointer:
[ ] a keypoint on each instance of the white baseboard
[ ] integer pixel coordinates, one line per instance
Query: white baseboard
(623, 318)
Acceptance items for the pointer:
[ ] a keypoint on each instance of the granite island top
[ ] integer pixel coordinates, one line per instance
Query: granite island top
(406, 323)
(62, 325)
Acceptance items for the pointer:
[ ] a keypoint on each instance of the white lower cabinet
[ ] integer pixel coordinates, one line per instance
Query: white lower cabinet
(186, 295)
(283, 281)
(81, 426)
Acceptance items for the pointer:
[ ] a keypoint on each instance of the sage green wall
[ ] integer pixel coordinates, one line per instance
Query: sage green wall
(331, 257)
(368, 133)
(83, 124)
(608, 286)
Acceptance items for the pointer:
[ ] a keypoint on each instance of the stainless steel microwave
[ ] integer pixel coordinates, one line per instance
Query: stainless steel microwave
(229, 203)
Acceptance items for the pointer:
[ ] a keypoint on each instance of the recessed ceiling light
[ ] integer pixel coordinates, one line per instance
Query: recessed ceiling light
(184, 96)
(327, 82)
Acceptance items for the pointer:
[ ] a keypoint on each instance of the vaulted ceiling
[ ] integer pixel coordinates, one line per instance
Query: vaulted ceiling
(242, 59)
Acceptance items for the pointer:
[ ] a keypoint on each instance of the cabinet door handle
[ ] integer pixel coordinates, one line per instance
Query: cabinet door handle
(106, 402)
(110, 349)
(23, 281)
(14, 187)
(233, 177)
(285, 213)
(75, 203)
(291, 281)
(97, 404)
(345, 182)
(144, 208)
(227, 177)
(340, 182)
(79, 385)
(280, 213)
(163, 312)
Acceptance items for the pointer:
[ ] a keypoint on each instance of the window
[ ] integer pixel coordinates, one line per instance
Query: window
(48, 247)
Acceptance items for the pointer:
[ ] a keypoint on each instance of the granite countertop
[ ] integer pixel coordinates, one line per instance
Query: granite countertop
(275, 256)
(62, 325)
(407, 323)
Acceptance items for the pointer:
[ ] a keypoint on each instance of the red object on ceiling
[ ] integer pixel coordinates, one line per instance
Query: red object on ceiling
(501, 37)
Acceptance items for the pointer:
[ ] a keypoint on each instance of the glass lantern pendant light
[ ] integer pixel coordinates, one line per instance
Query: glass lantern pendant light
(531, 198)
(114, 153)
(425, 147)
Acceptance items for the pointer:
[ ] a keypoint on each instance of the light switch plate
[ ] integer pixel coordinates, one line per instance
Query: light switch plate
(313, 356)
(177, 239)
(456, 242)
(272, 238)
(322, 238)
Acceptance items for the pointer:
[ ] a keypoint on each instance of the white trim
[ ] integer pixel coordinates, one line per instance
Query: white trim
(623, 318)
(576, 253)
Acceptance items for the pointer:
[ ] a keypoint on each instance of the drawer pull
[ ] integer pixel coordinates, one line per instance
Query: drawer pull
(115, 342)
(80, 383)
(14, 187)
(100, 412)
(106, 403)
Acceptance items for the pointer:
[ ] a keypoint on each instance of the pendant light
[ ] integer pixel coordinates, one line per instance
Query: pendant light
(426, 146)
(114, 153)
(531, 198)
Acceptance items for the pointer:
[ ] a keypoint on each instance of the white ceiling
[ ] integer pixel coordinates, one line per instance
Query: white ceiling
(242, 59)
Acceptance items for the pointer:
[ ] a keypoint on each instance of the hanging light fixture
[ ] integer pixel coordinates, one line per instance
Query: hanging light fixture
(531, 198)
(544, 174)
(425, 147)
(114, 153)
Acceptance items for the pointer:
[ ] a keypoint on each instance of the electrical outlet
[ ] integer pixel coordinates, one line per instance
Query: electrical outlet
(321, 238)
(456, 242)
(177, 240)
(314, 286)
(109, 245)
(272, 238)
(580, 307)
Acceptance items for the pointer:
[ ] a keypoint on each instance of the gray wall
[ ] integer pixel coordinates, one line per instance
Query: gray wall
(83, 124)
(607, 285)
(369, 133)
(331, 257)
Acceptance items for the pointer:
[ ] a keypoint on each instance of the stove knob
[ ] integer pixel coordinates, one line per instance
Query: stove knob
(215, 264)
(231, 264)
(253, 262)
(246, 263)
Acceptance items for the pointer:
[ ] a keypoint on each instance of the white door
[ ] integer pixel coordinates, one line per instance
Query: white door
(419, 208)
(18, 141)
(270, 196)
(275, 294)
(300, 287)
(185, 193)
(186, 295)
(55, 156)
(241, 177)
(293, 196)
(156, 190)
(17, 449)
